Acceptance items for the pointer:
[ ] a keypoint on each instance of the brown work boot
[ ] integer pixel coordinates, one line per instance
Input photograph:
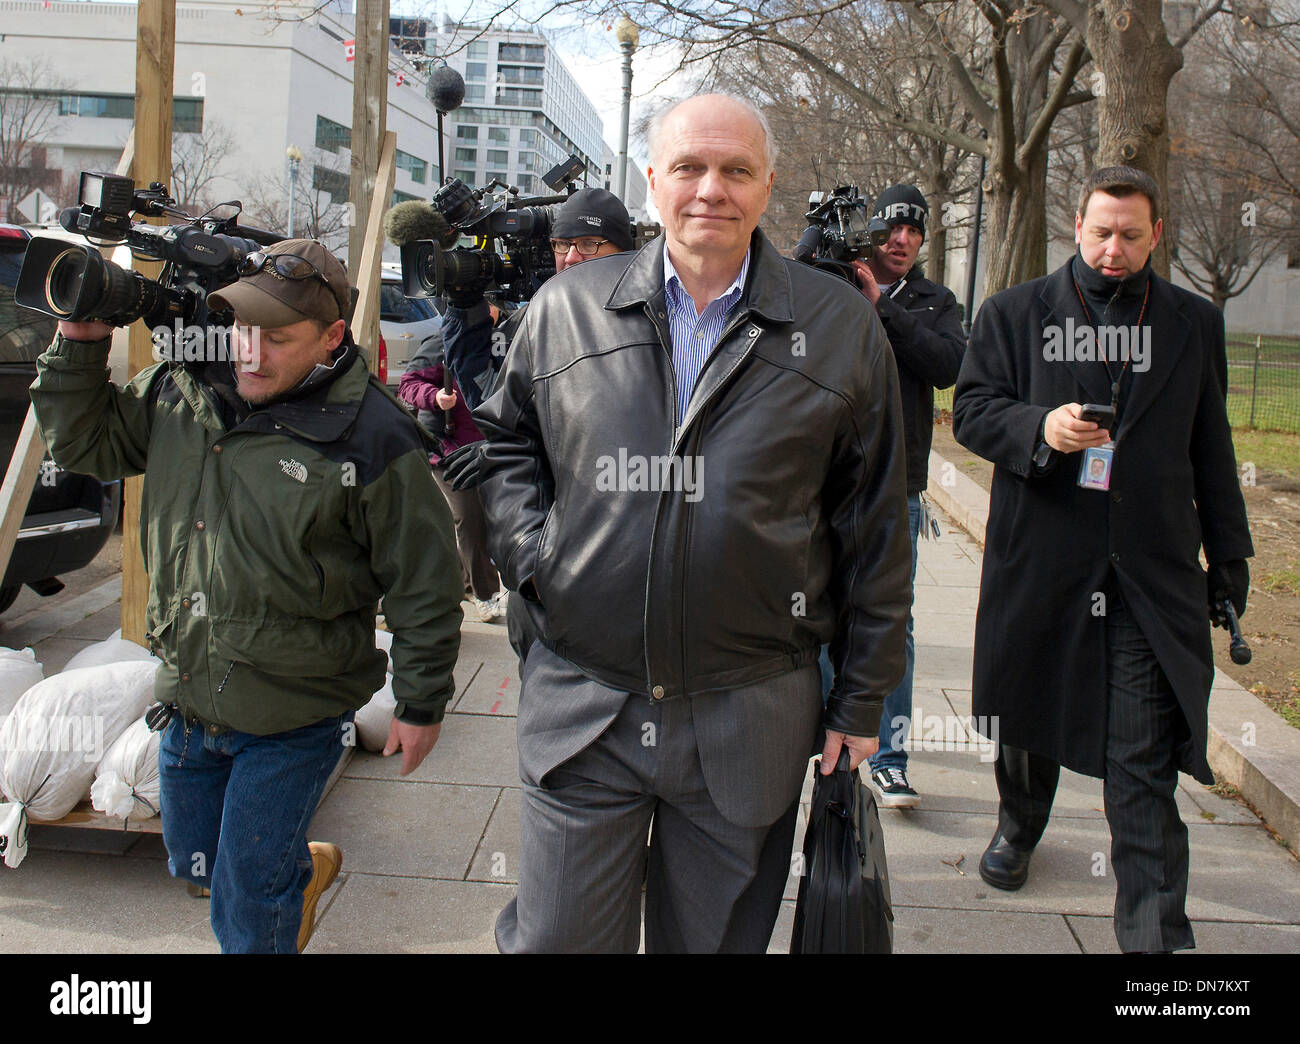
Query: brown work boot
(326, 859)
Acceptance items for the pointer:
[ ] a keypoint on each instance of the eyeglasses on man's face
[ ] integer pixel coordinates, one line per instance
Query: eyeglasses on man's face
(587, 246)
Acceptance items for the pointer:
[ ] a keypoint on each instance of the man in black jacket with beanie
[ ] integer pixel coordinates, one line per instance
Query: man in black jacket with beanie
(924, 328)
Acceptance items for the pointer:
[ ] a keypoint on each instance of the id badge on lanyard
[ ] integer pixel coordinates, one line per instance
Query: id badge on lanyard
(1094, 471)
(1099, 461)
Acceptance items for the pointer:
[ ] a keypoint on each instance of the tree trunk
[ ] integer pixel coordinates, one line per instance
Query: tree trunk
(1016, 203)
(936, 236)
(1132, 52)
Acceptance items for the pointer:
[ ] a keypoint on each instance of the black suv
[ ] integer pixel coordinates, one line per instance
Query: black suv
(69, 517)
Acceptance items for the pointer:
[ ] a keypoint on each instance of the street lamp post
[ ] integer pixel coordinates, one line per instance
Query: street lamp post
(628, 38)
(972, 255)
(295, 157)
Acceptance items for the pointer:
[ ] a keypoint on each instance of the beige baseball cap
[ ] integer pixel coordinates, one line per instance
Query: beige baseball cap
(293, 280)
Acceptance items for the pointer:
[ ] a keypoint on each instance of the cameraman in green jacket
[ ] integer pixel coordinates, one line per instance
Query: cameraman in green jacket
(285, 493)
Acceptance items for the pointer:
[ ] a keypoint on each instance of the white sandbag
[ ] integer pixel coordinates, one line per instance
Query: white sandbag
(126, 780)
(375, 719)
(19, 671)
(54, 738)
(384, 641)
(111, 650)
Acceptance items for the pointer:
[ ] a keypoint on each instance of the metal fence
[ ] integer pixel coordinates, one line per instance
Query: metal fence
(1263, 383)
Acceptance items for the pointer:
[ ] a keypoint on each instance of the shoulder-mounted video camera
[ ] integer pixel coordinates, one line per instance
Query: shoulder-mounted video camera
(511, 254)
(841, 230)
(74, 281)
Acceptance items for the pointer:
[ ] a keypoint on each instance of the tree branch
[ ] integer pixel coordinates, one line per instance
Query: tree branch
(1075, 12)
(891, 114)
(1043, 124)
(1196, 25)
(969, 93)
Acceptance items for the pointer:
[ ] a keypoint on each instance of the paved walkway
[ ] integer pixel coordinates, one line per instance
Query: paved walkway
(430, 860)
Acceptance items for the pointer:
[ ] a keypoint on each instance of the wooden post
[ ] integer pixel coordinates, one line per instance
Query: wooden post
(369, 125)
(366, 315)
(155, 54)
(29, 450)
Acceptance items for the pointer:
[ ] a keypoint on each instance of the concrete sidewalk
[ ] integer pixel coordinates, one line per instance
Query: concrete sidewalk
(430, 860)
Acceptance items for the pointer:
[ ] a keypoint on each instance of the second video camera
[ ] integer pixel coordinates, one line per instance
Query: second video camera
(431, 267)
(841, 230)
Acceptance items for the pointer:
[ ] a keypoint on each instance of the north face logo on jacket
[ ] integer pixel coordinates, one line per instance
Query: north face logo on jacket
(294, 469)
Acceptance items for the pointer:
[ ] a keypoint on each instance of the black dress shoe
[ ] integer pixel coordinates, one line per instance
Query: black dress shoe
(1003, 866)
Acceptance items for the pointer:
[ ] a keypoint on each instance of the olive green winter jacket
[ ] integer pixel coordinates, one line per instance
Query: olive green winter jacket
(269, 540)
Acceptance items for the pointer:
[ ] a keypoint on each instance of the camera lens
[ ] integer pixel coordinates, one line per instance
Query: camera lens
(63, 281)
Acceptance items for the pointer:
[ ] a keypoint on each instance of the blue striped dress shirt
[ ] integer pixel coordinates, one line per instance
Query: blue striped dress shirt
(695, 336)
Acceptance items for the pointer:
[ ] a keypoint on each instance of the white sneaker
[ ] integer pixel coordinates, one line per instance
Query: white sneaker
(487, 610)
(500, 600)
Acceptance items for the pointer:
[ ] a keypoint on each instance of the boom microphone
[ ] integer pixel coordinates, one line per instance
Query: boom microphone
(808, 244)
(414, 220)
(446, 89)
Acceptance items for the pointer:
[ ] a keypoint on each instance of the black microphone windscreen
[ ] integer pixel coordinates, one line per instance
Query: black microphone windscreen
(808, 243)
(446, 89)
(415, 219)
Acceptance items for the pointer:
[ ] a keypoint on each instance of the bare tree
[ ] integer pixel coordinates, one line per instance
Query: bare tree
(1234, 155)
(1073, 158)
(828, 137)
(197, 161)
(320, 200)
(1135, 60)
(29, 91)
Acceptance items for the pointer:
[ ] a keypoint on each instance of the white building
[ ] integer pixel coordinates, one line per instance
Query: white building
(523, 113)
(261, 79)
(637, 189)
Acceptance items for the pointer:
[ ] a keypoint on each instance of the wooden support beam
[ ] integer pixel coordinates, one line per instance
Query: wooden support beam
(366, 315)
(369, 126)
(155, 54)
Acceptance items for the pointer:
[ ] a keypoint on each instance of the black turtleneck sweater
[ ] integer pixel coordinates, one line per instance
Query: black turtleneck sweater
(1112, 301)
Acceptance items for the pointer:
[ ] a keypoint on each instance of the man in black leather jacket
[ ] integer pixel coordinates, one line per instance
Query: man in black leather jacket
(694, 472)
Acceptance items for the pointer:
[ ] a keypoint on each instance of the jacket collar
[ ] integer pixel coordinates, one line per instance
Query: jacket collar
(913, 281)
(1169, 328)
(326, 409)
(768, 292)
(322, 413)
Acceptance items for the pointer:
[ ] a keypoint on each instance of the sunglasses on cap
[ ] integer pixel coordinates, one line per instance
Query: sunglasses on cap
(289, 266)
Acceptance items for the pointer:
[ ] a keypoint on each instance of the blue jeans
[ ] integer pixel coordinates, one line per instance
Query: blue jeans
(235, 812)
(898, 704)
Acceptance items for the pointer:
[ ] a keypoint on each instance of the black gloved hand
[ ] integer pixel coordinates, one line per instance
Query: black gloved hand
(461, 467)
(1227, 580)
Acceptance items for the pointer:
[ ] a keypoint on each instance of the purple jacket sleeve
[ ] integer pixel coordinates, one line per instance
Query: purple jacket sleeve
(419, 387)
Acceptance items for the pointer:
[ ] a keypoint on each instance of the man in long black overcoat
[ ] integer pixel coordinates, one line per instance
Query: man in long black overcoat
(1092, 643)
